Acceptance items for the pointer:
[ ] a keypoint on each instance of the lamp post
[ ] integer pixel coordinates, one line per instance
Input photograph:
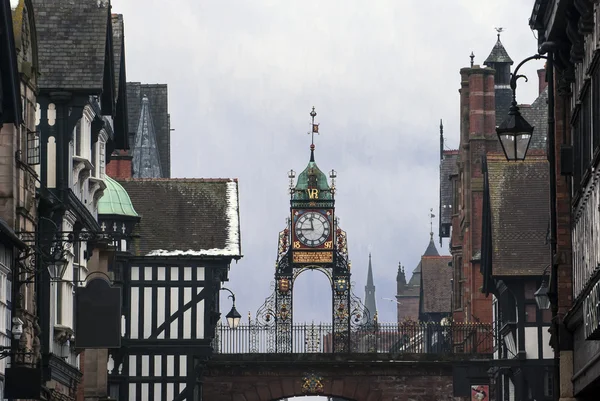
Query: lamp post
(233, 317)
(516, 131)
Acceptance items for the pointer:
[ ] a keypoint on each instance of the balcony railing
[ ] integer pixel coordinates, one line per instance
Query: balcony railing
(389, 338)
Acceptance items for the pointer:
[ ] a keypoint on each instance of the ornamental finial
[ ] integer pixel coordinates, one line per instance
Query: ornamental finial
(499, 30)
(314, 130)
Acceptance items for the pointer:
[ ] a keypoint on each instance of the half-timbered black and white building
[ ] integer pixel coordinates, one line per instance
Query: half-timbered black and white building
(514, 257)
(171, 270)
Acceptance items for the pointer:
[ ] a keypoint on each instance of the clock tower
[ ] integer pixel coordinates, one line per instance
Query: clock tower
(312, 240)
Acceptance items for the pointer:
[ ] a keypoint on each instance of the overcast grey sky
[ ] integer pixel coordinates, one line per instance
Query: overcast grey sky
(243, 76)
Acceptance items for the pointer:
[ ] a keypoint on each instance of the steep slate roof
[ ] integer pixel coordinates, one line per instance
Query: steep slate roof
(118, 42)
(146, 160)
(519, 202)
(537, 115)
(436, 287)
(196, 217)
(158, 96)
(431, 249)
(412, 289)
(498, 54)
(448, 168)
(71, 43)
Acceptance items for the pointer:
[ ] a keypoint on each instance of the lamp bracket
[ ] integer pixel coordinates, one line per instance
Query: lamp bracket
(514, 76)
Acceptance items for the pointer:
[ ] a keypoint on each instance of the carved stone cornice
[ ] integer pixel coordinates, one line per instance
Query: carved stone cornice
(564, 79)
(96, 188)
(82, 168)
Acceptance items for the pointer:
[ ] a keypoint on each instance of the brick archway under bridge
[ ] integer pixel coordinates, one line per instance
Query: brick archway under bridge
(356, 377)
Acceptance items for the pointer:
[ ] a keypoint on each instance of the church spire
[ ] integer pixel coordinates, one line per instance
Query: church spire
(370, 305)
(146, 160)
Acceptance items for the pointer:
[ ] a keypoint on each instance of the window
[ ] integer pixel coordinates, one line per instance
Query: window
(77, 139)
(458, 287)
(76, 252)
(33, 147)
(94, 159)
(101, 158)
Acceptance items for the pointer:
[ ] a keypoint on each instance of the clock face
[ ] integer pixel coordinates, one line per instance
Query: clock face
(312, 229)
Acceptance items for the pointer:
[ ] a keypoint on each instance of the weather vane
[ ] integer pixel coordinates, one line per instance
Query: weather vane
(472, 57)
(499, 30)
(431, 217)
(315, 128)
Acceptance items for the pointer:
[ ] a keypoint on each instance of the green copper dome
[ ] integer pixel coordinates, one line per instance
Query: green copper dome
(115, 200)
(312, 177)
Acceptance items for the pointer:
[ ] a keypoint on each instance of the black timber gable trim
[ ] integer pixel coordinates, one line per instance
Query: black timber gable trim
(10, 93)
(486, 267)
(108, 80)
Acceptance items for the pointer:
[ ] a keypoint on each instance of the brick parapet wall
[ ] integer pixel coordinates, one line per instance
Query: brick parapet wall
(382, 380)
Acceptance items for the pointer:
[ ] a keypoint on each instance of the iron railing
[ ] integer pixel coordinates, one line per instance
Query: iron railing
(390, 338)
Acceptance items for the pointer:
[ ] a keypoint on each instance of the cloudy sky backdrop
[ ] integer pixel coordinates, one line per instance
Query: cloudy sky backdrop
(243, 76)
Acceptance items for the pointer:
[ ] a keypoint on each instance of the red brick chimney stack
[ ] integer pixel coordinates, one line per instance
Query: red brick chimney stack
(120, 166)
(542, 79)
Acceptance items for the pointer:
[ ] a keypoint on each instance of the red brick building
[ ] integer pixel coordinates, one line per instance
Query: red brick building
(484, 100)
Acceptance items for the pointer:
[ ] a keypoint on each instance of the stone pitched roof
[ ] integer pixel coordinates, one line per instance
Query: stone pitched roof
(158, 97)
(193, 217)
(146, 160)
(72, 37)
(537, 115)
(118, 44)
(448, 167)
(435, 283)
(519, 203)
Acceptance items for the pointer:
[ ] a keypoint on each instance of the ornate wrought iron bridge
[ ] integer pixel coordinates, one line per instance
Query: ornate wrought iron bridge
(390, 338)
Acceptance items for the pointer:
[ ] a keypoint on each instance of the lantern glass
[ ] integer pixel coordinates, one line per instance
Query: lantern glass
(541, 297)
(233, 318)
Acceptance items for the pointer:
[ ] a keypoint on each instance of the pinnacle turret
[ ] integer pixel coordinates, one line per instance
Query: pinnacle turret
(370, 304)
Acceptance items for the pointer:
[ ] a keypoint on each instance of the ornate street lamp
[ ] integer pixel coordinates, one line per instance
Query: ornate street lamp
(542, 295)
(233, 317)
(515, 132)
(57, 266)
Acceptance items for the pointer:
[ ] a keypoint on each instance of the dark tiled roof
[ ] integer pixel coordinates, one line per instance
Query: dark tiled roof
(118, 42)
(498, 54)
(158, 97)
(537, 115)
(519, 202)
(71, 43)
(186, 214)
(435, 279)
(448, 167)
(431, 249)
